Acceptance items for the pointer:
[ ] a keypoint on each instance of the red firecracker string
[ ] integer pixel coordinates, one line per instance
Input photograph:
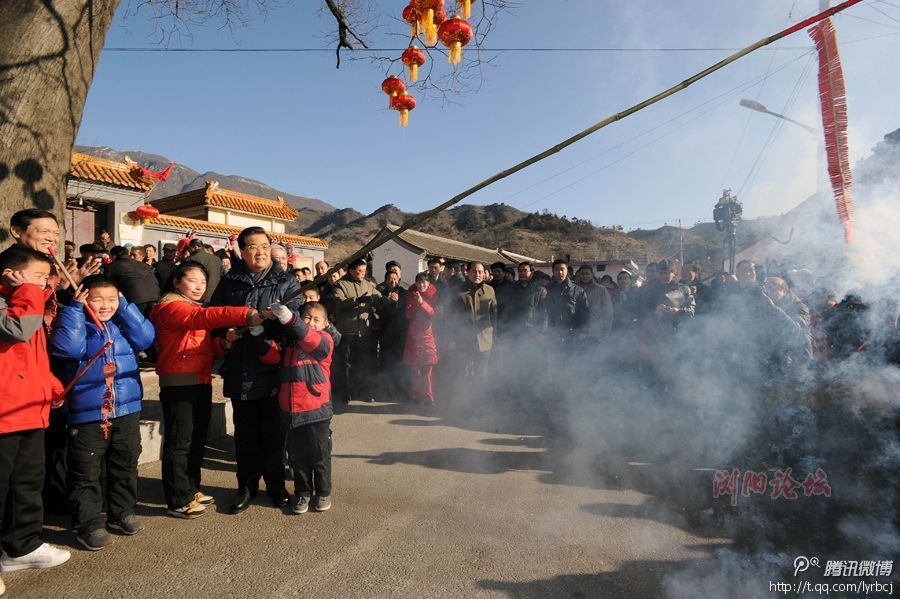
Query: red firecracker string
(833, 98)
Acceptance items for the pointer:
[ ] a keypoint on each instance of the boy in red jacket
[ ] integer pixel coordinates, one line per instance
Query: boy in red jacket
(305, 401)
(26, 395)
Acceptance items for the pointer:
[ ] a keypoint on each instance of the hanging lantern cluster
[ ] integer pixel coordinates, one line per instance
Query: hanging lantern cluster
(427, 18)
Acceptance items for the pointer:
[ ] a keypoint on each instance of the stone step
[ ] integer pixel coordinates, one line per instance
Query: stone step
(221, 421)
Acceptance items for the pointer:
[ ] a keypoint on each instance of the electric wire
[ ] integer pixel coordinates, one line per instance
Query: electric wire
(776, 129)
(725, 97)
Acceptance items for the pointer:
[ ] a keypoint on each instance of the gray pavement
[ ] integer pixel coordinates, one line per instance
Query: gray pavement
(426, 504)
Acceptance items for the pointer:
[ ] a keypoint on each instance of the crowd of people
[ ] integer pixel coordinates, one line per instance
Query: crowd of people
(72, 334)
(73, 331)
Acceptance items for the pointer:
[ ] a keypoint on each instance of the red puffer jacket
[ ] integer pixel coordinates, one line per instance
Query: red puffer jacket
(184, 341)
(305, 393)
(420, 348)
(27, 386)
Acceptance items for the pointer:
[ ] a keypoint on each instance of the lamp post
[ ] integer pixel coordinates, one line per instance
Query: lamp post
(820, 149)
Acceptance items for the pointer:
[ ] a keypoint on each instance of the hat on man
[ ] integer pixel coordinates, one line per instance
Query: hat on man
(170, 247)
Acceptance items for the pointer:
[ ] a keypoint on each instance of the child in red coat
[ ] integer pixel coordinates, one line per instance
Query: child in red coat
(186, 350)
(27, 391)
(420, 351)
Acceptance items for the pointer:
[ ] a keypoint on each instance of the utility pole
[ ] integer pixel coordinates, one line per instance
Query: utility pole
(681, 246)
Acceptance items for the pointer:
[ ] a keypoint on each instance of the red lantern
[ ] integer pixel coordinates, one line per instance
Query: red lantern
(145, 212)
(413, 58)
(393, 86)
(403, 103)
(412, 17)
(455, 33)
(465, 8)
(439, 17)
(426, 10)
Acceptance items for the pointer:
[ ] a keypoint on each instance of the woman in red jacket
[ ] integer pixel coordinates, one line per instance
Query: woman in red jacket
(186, 350)
(420, 351)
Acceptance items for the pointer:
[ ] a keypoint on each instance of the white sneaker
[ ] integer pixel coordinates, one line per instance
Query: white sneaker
(45, 556)
(2, 587)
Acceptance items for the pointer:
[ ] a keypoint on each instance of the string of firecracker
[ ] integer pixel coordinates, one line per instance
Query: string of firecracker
(833, 100)
(387, 235)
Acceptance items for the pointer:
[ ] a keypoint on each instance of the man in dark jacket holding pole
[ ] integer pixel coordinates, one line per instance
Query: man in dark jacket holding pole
(251, 367)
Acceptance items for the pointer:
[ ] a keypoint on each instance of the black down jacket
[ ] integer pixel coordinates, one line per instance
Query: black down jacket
(245, 375)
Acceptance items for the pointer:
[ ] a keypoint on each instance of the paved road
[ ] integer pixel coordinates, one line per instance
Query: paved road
(425, 505)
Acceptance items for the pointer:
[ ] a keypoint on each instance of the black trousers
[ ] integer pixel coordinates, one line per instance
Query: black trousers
(88, 453)
(21, 480)
(309, 449)
(259, 444)
(354, 368)
(55, 438)
(186, 413)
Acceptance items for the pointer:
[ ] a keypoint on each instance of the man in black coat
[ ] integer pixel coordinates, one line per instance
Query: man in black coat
(135, 280)
(250, 371)
(563, 310)
(165, 267)
(392, 336)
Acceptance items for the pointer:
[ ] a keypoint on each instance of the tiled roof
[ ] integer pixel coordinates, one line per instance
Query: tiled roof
(100, 170)
(452, 249)
(213, 195)
(166, 220)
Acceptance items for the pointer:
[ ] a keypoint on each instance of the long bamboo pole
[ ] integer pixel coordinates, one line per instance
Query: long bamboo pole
(419, 218)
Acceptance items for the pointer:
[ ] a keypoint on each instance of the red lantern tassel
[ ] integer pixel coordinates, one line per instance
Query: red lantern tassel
(465, 8)
(413, 72)
(404, 118)
(833, 99)
(455, 53)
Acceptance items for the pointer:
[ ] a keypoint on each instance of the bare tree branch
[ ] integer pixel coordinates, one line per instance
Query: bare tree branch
(339, 9)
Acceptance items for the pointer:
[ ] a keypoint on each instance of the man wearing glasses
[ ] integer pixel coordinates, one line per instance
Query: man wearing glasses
(250, 371)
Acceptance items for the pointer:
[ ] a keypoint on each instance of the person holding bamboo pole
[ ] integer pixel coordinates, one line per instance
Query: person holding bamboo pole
(39, 230)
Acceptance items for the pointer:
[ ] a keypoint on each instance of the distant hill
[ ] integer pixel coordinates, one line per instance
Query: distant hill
(541, 235)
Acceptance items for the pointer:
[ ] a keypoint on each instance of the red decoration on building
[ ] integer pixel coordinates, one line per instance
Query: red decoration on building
(413, 58)
(412, 17)
(426, 10)
(455, 33)
(158, 175)
(145, 212)
(403, 103)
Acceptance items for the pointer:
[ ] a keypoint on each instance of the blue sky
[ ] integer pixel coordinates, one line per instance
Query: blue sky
(294, 122)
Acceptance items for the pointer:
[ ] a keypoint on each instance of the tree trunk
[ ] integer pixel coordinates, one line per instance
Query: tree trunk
(48, 54)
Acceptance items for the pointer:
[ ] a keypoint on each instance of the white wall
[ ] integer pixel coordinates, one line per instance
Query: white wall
(411, 263)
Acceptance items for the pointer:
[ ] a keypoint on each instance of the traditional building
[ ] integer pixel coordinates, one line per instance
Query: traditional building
(216, 214)
(99, 193)
(412, 249)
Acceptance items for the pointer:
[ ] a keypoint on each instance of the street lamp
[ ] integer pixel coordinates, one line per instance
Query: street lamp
(820, 149)
(754, 105)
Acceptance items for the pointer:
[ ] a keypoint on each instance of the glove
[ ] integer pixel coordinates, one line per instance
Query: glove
(256, 331)
(281, 312)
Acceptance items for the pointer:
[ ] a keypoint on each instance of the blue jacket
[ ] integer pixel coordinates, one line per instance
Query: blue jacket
(77, 341)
